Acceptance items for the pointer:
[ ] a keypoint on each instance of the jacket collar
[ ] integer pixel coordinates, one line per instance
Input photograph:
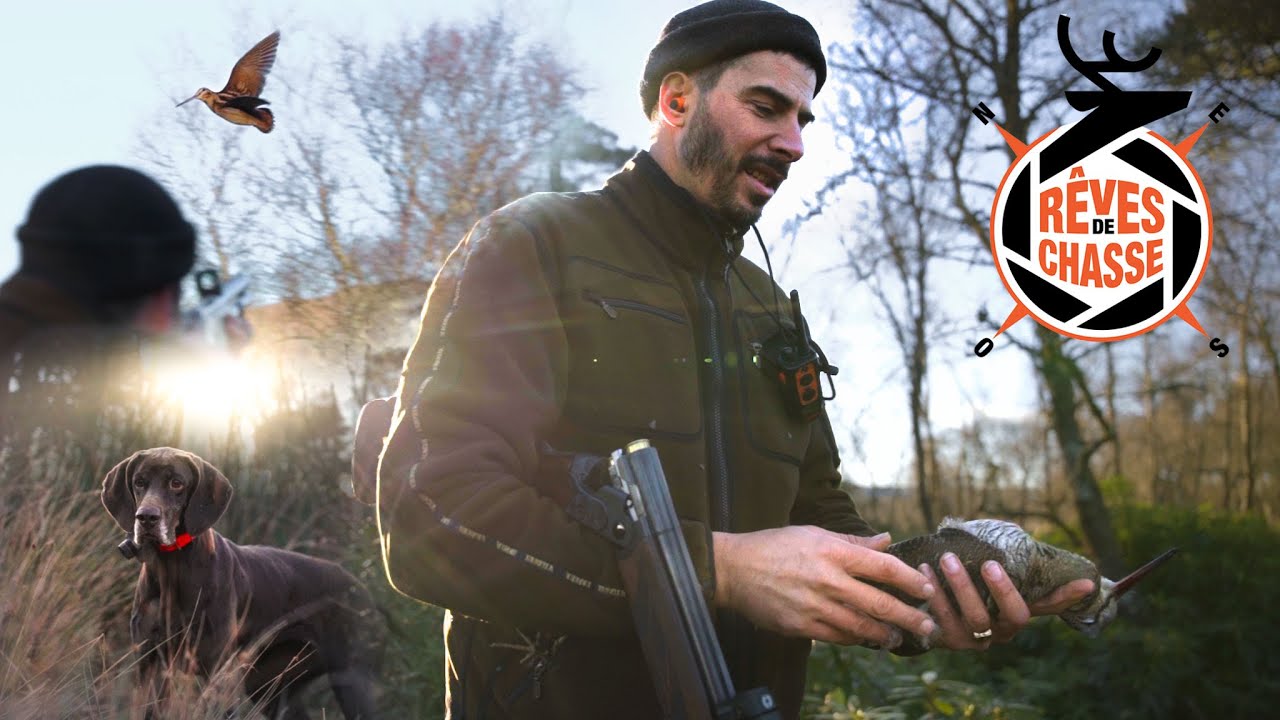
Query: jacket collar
(39, 301)
(671, 217)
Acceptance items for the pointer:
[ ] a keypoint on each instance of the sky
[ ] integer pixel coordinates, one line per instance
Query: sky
(85, 79)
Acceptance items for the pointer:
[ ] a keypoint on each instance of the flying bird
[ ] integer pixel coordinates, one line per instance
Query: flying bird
(238, 102)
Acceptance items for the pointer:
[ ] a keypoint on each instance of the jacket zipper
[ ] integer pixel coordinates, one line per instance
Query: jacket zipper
(718, 461)
(610, 305)
(737, 639)
(724, 495)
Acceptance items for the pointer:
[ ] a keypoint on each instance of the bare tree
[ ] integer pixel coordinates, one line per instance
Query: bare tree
(1245, 265)
(1229, 52)
(455, 118)
(204, 166)
(949, 56)
(342, 210)
(899, 241)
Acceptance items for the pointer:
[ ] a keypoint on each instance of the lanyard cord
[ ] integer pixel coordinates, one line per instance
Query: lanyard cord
(776, 313)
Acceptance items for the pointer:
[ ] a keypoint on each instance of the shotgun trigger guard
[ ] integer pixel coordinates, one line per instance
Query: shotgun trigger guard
(605, 510)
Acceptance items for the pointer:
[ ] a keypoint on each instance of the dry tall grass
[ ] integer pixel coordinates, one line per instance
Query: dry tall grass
(66, 592)
(65, 596)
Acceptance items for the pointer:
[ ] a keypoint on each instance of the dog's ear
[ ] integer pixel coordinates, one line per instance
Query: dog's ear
(210, 497)
(117, 492)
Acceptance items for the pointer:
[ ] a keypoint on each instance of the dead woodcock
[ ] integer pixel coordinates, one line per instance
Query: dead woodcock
(238, 102)
(1035, 568)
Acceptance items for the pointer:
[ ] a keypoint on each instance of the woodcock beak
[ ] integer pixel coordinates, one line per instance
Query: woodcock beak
(1126, 583)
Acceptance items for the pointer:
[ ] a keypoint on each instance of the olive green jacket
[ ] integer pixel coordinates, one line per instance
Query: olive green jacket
(51, 346)
(575, 323)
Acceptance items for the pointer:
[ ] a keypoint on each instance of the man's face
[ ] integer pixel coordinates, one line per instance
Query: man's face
(744, 133)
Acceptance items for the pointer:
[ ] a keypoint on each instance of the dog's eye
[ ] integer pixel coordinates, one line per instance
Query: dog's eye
(175, 483)
(139, 481)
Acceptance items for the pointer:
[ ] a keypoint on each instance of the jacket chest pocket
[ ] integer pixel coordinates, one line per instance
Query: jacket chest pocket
(633, 366)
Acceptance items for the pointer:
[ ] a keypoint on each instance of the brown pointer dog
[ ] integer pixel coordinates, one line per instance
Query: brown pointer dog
(201, 598)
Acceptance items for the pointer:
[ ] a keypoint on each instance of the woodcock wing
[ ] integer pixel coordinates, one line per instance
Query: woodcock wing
(1035, 568)
(238, 102)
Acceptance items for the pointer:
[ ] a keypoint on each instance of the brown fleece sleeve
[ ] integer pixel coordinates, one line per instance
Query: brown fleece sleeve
(821, 501)
(463, 525)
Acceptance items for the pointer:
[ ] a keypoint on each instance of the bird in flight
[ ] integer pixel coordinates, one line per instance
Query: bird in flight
(238, 102)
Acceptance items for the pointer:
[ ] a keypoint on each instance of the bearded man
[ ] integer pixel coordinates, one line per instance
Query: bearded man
(566, 325)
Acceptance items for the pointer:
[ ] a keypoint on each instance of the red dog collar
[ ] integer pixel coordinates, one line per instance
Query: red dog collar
(179, 542)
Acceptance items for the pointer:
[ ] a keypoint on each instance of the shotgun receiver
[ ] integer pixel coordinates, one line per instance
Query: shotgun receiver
(671, 617)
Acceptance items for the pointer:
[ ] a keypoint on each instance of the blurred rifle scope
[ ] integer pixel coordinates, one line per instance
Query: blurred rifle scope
(220, 303)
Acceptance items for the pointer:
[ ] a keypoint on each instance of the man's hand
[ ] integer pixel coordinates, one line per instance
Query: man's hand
(371, 430)
(958, 624)
(808, 582)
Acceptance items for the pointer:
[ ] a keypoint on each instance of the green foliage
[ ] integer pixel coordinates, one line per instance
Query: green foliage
(412, 673)
(1117, 490)
(1198, 641)
(887, 687)
(1238, 39)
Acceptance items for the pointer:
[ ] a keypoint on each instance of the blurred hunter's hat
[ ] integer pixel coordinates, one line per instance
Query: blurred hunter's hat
(106, 233)
(721, 29)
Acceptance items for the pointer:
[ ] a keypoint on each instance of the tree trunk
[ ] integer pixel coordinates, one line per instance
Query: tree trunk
(1055, 367)
(918, 440)
(1246, 412)
(1095, 519)
(1117, 453)
(1149, 411)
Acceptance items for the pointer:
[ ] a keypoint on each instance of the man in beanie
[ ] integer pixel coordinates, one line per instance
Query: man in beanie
(566, 325)
(101, 254)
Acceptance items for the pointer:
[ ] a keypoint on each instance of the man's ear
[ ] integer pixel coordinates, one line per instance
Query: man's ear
(159, 311)
(675, 99)
(209, 498)
(117, 492)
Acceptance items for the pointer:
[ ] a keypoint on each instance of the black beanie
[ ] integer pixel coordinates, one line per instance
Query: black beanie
(106, 233)
(721, 29)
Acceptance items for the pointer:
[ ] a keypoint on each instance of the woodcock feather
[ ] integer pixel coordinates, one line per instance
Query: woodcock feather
(238, 102)
(1035, 568)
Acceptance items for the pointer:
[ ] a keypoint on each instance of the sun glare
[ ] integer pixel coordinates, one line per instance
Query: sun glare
(218, 392)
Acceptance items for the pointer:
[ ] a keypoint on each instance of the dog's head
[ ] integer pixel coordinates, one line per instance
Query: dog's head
(155, 494)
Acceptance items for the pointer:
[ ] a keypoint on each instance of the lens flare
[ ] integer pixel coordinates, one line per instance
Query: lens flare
(216, 392)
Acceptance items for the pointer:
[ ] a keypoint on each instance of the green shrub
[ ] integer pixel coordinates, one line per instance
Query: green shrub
(886, 687)
(1198, 641)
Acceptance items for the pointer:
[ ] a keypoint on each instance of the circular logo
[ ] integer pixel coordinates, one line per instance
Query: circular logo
(1107, 247)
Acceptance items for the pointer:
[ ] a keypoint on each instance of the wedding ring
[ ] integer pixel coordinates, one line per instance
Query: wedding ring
(982, 635)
